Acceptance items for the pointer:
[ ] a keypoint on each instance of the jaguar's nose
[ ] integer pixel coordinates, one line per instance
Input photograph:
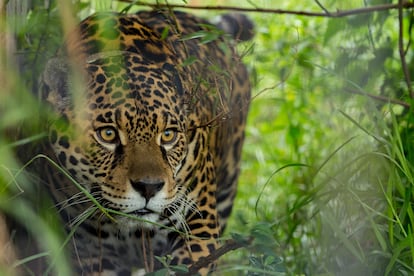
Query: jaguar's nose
(147, 187)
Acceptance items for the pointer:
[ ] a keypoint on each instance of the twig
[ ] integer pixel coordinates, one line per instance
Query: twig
(337, 14)
(229, 245)
(379, 98)
(401, 47)
(322, 7)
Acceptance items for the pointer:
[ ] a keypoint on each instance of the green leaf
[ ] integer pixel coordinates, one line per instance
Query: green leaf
(334, 27)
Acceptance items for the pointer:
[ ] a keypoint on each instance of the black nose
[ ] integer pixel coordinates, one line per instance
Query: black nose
(148, 187)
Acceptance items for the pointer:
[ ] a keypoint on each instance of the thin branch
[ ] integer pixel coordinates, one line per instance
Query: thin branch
(338, 13)
(228, 246)
(401, 47)
(322, 7)
(379, 98)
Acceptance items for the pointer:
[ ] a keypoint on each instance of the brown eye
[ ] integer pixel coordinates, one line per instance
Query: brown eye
(107, 135)
(168, 136)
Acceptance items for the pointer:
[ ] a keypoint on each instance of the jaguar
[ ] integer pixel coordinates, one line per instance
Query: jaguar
(144, 144)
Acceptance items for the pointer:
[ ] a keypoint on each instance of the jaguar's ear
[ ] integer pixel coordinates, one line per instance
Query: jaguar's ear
(54, 87)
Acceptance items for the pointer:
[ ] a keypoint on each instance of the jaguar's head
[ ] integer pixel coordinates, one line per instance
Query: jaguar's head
(124, 137)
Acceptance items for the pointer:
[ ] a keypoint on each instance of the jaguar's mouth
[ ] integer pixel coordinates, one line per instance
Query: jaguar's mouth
(141, 212)
(138, 219)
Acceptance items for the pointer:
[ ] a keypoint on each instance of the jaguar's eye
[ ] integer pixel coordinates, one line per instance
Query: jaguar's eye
(107, 135)
(168, 136)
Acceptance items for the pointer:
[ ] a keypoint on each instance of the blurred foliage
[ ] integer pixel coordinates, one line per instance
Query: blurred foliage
(331, 164)
(327, 175)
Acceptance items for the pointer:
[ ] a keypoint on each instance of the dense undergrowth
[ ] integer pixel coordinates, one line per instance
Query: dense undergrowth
(327, 175)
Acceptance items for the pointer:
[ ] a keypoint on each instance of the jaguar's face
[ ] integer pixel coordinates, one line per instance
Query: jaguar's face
(126, 140)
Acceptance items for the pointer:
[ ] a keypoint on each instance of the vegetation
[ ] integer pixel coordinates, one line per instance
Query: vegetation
(327, 178)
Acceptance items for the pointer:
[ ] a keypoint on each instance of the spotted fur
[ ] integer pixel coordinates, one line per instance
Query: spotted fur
(150, 123)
